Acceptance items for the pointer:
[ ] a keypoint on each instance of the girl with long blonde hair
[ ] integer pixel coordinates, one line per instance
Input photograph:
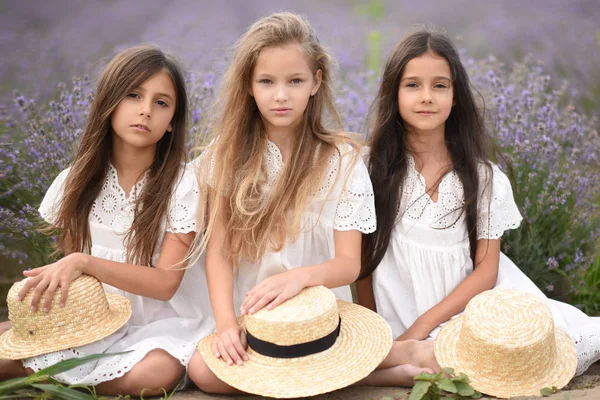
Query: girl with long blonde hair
(125, 213)
(288, 194)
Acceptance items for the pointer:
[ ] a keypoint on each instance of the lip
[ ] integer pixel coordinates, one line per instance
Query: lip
(281, 111)
(140, 128)
(426, 113)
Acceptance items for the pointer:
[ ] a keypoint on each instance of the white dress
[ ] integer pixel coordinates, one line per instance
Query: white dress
(175, 325)
(428, 257)
(343, 202)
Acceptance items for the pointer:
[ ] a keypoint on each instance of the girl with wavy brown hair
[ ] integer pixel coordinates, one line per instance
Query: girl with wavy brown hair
(125, 213)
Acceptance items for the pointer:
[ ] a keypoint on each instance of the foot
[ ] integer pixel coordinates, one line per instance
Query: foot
(421, 355)
(400, 375)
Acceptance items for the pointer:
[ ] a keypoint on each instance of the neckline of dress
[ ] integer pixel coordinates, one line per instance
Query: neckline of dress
(135, 189)
(413, 167)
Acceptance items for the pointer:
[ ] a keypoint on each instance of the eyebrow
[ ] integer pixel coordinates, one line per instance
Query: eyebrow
(434, 78)
(160, 94)
(265, 75)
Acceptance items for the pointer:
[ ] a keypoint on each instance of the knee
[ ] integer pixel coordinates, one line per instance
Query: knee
(203, 377)
(158, 371)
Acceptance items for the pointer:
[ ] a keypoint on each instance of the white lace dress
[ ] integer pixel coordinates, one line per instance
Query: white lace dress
(175, 325)
(428, 257)
(343, 202)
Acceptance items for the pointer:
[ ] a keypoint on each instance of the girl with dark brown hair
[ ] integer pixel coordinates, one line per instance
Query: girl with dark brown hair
(442, 206)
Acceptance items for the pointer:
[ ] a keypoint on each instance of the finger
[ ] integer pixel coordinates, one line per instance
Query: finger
(224, 354)
(277, 301)
(27, 286)
(243, 346)
(252, 300)
(64, 290)
(244, 340)
(38, 292)
(34, 272)
(232, 349)
(49, 295)
(266, 299)
(214, 348)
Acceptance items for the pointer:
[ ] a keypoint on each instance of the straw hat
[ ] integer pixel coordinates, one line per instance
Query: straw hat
(89, 315)
(307, 356)
(507, 344)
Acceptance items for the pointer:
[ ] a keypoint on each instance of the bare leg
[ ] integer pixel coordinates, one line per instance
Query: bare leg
(205, 379)
(4, 326)
(406, 360)
(13, 369)
(399, 375)
(158, 370)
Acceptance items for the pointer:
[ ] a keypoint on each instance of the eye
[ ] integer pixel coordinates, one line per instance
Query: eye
(440, 86)
(133, 95)
(162, 103)
(296, 81)
(411, 85)
(265, 81)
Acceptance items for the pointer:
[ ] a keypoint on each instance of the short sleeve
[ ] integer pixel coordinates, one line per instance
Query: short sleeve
(355, 209)
(50, 205)
(184, 203)
(497, 211)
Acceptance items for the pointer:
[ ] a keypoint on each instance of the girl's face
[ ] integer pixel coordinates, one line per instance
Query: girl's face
(144, 115)
(425, 95)
(282, 83)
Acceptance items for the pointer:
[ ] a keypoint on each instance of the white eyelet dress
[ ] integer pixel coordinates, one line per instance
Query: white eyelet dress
(343, 202)
(428, 257)
(175, 325)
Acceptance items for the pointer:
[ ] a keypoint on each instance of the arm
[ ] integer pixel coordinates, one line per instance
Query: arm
(159, 283)
(364, 291)
(342, 270)
(230, 342)
(483, 277)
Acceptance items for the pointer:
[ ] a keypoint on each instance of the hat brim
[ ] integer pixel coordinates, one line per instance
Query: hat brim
(15, 348)
(365, 339)
(558, 374)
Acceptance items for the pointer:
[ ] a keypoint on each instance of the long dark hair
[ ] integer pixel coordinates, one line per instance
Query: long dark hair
(127, 71)
(466, 137)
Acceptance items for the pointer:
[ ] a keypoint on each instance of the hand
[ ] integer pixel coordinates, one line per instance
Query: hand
(48, 278)
(419, 330)
(273, 291)
(230, 345)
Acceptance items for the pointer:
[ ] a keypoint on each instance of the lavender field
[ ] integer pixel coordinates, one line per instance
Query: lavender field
(536, 64)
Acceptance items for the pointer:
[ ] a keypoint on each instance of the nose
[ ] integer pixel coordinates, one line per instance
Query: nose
(281, 94)
(145, 109)
(426, 95)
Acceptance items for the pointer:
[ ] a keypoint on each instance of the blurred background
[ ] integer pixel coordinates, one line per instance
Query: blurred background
(535, 63)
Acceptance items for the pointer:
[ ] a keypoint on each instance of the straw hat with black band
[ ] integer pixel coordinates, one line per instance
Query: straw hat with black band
(89, 315)
(310, 344)
(506, 342)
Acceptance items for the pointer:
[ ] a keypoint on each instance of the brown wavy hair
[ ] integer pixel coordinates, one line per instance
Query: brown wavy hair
(257, 220)
(466, 137)
(125, 72)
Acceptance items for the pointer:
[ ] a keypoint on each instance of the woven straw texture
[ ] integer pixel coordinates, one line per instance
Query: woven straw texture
(507, 344)
(365, 340)
(89, 315)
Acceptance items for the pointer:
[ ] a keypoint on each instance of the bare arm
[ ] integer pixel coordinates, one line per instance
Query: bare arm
(341, 270)
(219, 275)
(364, 291)
(483, 277)
(159, 283)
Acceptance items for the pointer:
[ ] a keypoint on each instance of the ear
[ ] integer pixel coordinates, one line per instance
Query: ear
(170, 128)
(318, 80)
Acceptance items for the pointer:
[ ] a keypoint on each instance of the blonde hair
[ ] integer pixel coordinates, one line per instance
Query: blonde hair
(257, 220)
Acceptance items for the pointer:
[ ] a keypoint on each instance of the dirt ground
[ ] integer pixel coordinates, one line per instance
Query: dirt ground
(585, 387)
